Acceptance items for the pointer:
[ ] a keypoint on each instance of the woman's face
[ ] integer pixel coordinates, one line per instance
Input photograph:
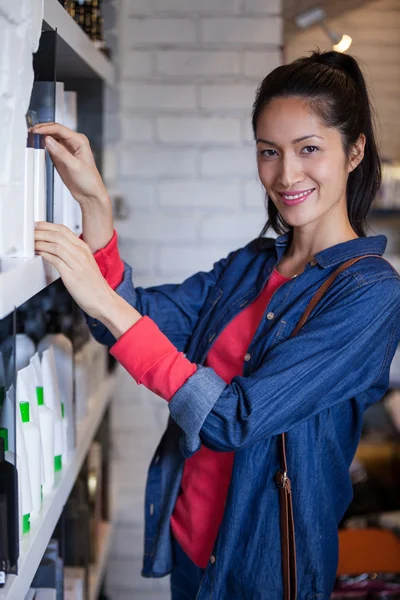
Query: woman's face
(301, 162)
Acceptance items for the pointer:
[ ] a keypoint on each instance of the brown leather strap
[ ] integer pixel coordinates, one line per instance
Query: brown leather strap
(288, 542)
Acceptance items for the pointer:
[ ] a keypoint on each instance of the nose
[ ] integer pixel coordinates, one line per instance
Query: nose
(290, 172)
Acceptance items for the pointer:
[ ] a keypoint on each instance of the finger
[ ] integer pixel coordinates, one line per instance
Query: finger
(60, 251)
(50, 235)
(55, 261)
(72, 139)
(55, 232)
(59, 154)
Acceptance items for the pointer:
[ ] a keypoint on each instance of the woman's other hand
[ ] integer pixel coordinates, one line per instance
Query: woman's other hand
(73, 158)
(78, 269)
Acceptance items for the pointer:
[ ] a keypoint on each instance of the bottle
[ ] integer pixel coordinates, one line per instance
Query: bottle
(27, 392)
(40, 190)
(32, 442)
(24, 235)
(4, 554)
(52, 400)
(18, 359)
(9, 491)
(46, 425)
(64, 364)
(7, 418)
(24, 484)
(9, 455)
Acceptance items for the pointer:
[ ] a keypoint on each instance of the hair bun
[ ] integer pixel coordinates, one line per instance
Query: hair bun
(342, 62)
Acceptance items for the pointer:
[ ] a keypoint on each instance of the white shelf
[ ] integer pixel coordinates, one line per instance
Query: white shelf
(77, 56)
(34, 543)
(21, 279)
(97, 571)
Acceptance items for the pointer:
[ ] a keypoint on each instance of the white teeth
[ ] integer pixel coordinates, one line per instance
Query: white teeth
(296, 195)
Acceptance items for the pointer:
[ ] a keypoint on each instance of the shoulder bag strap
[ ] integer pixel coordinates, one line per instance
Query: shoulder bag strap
(288, 545)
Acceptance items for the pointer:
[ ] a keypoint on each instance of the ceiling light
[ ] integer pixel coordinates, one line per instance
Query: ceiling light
(317, 16)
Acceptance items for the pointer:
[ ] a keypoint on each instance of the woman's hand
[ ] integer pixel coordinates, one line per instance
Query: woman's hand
(78, 269)
(73, 159)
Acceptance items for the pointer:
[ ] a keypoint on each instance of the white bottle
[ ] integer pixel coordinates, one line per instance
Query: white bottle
(64, 362)
(52, 400)
(40, 190)
(24, 350)
(46, 425)
(9, 455)
(24, 236)
(26, 390)
(24, 484)
(33, 449)
(7, 416)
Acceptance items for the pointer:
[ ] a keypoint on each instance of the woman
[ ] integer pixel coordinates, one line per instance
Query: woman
(212, 503)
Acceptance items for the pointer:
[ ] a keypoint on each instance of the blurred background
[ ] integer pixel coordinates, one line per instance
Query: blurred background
(164, 91)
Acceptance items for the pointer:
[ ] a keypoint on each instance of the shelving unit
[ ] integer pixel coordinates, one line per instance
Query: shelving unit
(21, 279)
(77, 58)
(35, 542)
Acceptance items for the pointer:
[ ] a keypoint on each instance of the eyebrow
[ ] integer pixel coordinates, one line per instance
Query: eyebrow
(296, 141)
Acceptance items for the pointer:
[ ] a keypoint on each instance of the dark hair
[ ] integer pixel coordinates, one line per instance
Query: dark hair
(336, 90)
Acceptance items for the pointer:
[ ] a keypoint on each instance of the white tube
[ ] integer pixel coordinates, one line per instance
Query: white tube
(8, 454)
(52, 400)
(24, 236)
(40, 192)
(33, 448)
(7, 417)
(26, 379)
(64, 362)
(46, 424)
(24, 484)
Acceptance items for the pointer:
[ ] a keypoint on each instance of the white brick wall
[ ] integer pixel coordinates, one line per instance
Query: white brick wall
(20, 27)
(188, 75)
(188, 72)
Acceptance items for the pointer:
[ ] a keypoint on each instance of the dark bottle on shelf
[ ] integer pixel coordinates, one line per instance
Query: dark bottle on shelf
(9, 493)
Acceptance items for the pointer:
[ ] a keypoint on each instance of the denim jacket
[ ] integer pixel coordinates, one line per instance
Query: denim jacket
(315, 386)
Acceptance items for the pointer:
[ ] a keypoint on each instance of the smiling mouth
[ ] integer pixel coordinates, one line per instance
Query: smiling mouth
(295, 197)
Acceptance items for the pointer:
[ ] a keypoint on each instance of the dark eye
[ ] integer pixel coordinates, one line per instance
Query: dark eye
(310, 149)
(268, 153)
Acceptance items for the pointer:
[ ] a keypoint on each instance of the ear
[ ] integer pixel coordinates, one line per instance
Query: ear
(356, 153)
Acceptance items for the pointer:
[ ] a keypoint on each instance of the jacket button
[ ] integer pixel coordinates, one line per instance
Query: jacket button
(247, 357)
(212, 559)
(270, 316)
(313, 262)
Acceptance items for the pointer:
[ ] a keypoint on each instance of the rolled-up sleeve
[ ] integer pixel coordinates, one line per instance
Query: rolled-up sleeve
(342, 351)
(151, 359)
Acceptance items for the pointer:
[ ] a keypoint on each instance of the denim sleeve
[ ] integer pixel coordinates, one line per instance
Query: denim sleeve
(345, 349)
(175, 308)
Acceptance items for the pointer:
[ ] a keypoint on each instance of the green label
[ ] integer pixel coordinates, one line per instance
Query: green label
(40, 396)
(57, 463)
(26, 523)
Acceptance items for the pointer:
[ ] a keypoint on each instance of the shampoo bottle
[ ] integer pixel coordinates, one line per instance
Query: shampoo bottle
(32, 442)
(64, 363)
(26, 383)
(24, 484)
(40, 190)
(9, 490)
(46, 424)
(52, 401)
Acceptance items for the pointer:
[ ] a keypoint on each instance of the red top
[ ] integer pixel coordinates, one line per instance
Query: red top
(151, 359)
